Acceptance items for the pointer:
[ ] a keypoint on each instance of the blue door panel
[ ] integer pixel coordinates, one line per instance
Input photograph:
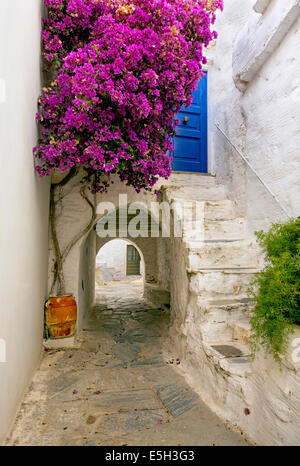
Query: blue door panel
(190, 142)
(188, 148)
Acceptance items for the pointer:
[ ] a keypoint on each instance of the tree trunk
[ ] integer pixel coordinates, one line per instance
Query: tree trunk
(62, 255)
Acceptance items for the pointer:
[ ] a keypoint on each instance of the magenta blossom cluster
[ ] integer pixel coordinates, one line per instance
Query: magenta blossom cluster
(123, 71)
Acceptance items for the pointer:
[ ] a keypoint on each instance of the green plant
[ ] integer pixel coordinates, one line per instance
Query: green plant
(275, 291)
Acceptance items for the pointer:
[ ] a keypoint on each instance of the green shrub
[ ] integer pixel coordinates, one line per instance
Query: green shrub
(275, 292)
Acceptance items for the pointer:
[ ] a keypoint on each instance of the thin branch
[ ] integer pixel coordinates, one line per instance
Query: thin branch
(86, 229)
(73, 172)
(58, 268)
(58, 272)
(79, 235)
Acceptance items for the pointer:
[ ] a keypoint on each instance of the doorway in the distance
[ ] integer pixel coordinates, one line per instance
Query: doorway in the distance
(120, 271)
(133, 262)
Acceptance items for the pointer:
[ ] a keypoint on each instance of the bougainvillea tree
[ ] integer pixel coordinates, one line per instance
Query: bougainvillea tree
(122, 70)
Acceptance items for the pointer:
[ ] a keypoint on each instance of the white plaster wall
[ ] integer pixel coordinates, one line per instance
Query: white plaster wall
(272, 108)
(261, 120)
(224, 102)
(209, 307)
(86, 285)
(24, 204)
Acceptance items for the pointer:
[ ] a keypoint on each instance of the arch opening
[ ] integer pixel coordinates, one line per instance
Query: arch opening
(119, 272)
(140, 265)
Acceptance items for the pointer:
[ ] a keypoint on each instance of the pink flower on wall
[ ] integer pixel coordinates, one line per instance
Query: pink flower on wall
(123, 71)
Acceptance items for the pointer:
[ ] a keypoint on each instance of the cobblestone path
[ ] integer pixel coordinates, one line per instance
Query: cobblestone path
(116, 387)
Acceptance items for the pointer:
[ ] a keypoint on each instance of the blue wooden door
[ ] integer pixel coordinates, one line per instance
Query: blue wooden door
(190, 142)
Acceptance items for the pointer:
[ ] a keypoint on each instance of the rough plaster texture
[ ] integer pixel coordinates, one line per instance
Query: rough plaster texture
(24, 205)
(261, 121)
(86, 285)
(273, 116)
(211, 334)
(260, 37)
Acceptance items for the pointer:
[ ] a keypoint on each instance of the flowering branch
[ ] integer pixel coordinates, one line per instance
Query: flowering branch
(123, 69)
(61, 256)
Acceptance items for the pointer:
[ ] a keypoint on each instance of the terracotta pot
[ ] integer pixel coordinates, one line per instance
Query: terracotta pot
(61, 316)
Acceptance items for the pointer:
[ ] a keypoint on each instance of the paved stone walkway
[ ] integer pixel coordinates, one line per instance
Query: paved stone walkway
(116, 388)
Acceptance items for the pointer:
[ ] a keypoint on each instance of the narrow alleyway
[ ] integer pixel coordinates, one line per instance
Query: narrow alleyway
(116, 387)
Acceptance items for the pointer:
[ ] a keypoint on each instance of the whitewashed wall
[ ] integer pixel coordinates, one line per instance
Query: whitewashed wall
(86, 285)
(254, 95)
(24, 205)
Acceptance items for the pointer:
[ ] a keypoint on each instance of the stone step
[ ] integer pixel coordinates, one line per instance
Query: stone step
(241, 332)
(217, 284)
(190, 179)
(210, 210)
(232, 357)
(218, 321)
(228, 304)
(214, 230)
(197, 193)
(220, 210)
(216, 328)
(219, 256)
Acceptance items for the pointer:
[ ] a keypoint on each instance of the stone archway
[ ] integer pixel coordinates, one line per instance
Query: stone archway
(153, 250)
(112, 260)
(73, 215)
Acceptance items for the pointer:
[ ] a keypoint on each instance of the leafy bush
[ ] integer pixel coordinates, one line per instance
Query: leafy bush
(275, 292)
(123, 70)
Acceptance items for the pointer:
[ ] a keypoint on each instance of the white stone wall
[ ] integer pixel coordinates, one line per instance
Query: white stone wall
(267, 390)
(253, 95)
(254, 98)
(86, 285)
(24, 206)
(209, 308)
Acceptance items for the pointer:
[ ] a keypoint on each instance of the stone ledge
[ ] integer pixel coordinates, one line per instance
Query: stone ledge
(260, 37)
(60, 343)
(261, 6)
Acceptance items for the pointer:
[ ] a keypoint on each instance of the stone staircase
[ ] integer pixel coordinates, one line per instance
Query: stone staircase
(220, 261)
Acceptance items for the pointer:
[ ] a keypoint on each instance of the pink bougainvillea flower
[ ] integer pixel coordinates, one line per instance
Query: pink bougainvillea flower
(123, 71)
